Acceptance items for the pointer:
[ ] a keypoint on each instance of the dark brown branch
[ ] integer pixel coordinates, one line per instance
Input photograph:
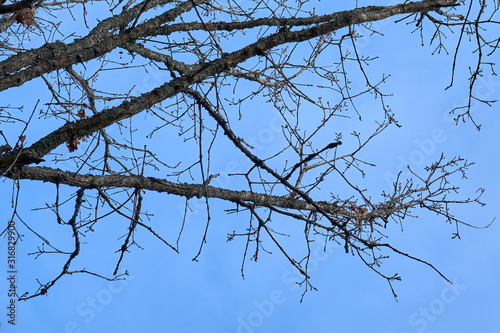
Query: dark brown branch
(136, 105)
(161, 185)
(16, 6)
(72, 222)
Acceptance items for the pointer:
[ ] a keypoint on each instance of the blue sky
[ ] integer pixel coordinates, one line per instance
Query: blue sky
(171, 293)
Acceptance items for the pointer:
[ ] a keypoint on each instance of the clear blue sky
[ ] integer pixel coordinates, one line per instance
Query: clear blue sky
(167, 292)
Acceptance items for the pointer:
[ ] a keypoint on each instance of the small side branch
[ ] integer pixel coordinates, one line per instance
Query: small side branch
(72, 222)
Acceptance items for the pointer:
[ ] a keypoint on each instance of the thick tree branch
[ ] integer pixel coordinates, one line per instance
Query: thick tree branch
(162, 185)
(100, 41)
(4, 9)
(136, 105)
(200, 105)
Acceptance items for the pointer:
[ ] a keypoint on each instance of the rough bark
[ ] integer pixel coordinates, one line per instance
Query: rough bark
(191, 41)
